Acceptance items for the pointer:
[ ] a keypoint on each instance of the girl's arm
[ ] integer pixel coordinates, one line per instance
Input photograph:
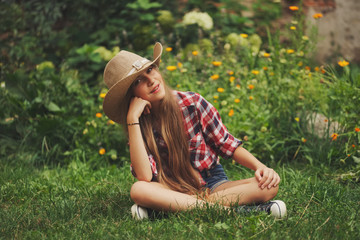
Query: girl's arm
(138, 155)
(266, 177)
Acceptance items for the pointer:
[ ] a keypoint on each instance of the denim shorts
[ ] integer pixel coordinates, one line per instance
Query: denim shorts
(214, 177)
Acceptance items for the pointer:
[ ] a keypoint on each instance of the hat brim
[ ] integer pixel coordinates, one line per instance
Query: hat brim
(115, 96)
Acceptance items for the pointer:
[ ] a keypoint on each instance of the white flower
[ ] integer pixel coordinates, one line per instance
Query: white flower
(201, 18)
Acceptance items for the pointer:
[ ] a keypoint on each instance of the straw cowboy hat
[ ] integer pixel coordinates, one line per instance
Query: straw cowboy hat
(120, 72)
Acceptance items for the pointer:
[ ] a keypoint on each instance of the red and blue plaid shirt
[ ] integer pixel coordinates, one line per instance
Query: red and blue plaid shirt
(208, 136)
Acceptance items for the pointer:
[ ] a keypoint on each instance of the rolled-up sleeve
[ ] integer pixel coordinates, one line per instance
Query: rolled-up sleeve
(215, 133)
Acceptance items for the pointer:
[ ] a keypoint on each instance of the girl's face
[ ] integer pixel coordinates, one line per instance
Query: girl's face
(149, 86)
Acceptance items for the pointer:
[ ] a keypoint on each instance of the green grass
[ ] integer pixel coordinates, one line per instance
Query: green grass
(77, 202)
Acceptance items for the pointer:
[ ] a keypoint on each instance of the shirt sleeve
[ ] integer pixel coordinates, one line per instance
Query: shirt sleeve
(214, 131)
(152, 165)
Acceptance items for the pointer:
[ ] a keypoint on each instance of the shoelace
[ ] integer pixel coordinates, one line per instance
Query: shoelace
(265, 207)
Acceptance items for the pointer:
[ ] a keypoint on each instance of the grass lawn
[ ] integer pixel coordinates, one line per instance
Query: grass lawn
(77, 202)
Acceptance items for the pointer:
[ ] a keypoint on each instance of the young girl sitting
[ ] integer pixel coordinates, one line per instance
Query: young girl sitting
(175, 141)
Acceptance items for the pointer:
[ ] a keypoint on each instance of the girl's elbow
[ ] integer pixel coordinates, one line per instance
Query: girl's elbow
(145, 177)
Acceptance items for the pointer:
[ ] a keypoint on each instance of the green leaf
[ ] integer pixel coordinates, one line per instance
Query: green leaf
(53, 107)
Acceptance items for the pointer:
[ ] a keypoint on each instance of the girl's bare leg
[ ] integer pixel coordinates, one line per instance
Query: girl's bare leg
(242, 192)
(158, 197)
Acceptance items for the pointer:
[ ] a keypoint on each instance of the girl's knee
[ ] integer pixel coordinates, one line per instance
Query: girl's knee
(271, 193)
(138, 191)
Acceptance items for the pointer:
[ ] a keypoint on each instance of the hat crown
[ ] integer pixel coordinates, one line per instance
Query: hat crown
(122, 65)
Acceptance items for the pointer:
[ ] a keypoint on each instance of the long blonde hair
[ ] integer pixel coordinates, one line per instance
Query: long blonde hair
(175, 171)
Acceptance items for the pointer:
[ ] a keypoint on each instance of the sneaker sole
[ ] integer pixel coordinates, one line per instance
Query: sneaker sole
(139, 212)
(278, 209)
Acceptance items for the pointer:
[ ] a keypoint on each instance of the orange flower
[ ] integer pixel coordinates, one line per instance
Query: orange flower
(297, 119)
(238, 86)
(292, 28)
(215, 76)
(267, 55)
(230, 73)
(102, 95)
(231, 79)
(294, 8)
(265, 68)
(308, 68)
(343, 63)
(244, 35)
(290, 51)
(317, 15)
(334, 136)
(110, 122)
(168, 49)
(357, 129)
(303, 140)
(353, 145)
(250, 86)
(98, 115)
(171, 68)
(179, 64)
(237, 100)
(195, 53)
(216, 63)
(221, 90)
(255, 72)
(251, 98)
(231, 112)
(102, 151)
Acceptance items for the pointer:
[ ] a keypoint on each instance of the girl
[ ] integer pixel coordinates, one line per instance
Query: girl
(175, 141)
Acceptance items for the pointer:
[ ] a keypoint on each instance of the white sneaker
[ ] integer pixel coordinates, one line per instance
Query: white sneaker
(139, 212)
(276, 208)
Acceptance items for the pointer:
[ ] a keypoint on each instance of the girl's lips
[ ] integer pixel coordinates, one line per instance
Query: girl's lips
(156, 89)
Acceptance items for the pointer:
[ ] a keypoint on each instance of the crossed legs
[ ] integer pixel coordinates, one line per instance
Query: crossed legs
(158, 197)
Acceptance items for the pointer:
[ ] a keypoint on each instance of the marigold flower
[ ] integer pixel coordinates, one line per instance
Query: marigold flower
(297, 119)
(102, 95)
(317, 15)
(237, 100)
(178, 85)
(343, 63)
(216, 63)
(317, 69)
(195, 53)
(232, 79)
(267, 55)
(168, 49)
(171, 68)
(308, 68)
(237, 86)
(98, 115)
(221, 90)
(230, 73)
(251, 98)
(215, 76)
(110, 122)
(231, 112)
(294, 8)
(250, 86)
(325, 120)
(292, 28)
(290, 51)
(353, 145)
(334, 136)
(357, 129)
(216, 97)
(265, 68)
(244, 35)
(255, 72)
(102, 151)
(303, 140)
(179, 64)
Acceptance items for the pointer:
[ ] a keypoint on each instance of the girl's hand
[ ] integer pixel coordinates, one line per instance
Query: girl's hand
(138, 106)
(267, 177)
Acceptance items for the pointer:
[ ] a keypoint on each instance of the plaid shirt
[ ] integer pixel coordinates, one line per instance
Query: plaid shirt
(208, 136)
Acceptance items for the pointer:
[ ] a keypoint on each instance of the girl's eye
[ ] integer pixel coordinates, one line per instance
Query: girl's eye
(149, 69)
(137, 82)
